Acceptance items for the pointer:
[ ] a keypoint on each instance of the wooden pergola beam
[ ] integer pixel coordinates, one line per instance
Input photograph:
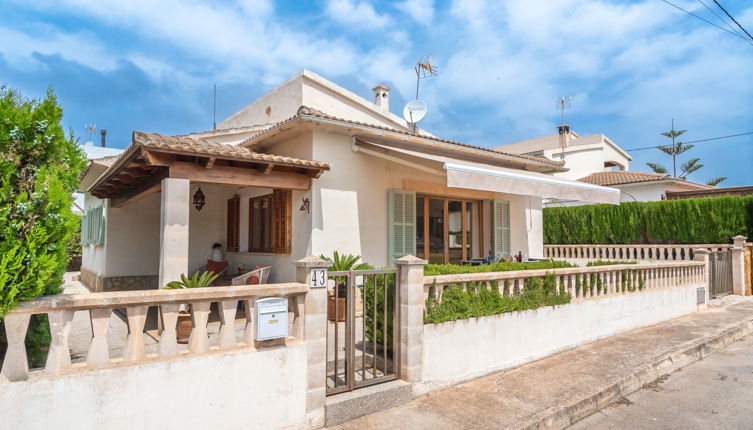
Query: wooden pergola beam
(237, 176)
(147, 187)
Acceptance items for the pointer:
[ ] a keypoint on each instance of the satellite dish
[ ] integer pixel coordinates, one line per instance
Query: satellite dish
(414, 111)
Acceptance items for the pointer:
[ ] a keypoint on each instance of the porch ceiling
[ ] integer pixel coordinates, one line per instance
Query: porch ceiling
(152, 157)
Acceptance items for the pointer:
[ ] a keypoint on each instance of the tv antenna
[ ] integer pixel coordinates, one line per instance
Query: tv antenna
(214, 109)
(415, 110)
(424, 69)
(90, 129)
(563, 104)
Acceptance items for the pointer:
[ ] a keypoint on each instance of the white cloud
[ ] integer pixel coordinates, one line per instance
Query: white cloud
(357, 14)
(19, 47)
(422, 11)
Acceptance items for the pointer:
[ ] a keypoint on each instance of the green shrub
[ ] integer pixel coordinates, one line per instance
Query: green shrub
(39, 170)
(609, 262)
(377, 283)
(688, 221)
(478, 300)
(453, 269)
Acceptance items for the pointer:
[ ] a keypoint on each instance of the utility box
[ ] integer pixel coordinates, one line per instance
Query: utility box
(271, 318)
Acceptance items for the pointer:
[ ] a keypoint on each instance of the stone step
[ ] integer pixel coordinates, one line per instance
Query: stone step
(347, 406)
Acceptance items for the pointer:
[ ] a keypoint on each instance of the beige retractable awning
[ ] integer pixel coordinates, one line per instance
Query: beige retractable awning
(486, 177)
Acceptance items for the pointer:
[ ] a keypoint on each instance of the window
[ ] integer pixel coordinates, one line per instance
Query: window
(233, 224)
(270, 223)
(93, 226)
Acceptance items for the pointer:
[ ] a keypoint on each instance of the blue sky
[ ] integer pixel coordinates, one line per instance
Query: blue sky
(630, 66)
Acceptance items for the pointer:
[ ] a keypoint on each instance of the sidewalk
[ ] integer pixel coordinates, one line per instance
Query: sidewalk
(560, 390)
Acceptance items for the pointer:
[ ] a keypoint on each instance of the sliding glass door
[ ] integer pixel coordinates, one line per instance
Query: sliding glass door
(448, 230)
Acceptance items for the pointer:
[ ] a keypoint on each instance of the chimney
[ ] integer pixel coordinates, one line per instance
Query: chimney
(104, 134)
(382, 96)
(564, 138)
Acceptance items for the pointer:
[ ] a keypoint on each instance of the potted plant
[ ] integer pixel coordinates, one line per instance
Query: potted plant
(341, 263)
(184, 325)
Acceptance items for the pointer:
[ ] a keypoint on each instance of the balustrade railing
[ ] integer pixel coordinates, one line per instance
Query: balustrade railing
(580, 282)
(629, 252)
(60, 311)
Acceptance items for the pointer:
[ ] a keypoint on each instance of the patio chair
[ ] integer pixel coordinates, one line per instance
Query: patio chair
(261, 274)
(221, 272)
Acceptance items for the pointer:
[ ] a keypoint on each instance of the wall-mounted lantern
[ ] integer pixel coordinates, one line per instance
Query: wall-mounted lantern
(305, 205)
(199, 199)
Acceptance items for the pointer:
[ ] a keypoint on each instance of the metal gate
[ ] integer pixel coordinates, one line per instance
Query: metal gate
(362, 329)
(720, 266)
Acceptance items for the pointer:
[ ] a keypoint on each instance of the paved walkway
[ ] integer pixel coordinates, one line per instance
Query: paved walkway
(568, 383)
(716, 393)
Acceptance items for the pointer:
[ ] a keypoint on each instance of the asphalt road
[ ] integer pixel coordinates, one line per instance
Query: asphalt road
(716, 393)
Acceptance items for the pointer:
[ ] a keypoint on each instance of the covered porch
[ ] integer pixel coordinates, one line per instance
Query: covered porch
(169, 199)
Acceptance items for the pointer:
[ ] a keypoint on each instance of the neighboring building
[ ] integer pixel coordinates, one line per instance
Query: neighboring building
(598, 160)
(311, 168)
(94, 153)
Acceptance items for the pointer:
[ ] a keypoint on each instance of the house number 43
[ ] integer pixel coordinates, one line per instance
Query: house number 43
(318, 278)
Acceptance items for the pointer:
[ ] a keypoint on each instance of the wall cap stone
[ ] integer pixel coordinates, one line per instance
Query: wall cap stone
(312, 261)
(410, 260)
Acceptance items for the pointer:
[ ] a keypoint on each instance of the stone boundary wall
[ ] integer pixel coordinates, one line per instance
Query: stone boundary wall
(748, 257)
(264, 389)
(461, 350)
(99, 284)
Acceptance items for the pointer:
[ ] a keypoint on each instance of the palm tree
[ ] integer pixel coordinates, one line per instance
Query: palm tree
(676, 149)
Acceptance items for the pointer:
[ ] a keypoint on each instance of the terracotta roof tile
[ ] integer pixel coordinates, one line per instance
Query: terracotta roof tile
(193, 146)
(617, 177)
(307, 111)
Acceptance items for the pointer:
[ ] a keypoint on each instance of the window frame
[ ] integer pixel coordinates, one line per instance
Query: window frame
(265, 224)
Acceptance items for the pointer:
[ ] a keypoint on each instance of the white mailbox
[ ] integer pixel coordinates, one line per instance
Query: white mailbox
(271, 318)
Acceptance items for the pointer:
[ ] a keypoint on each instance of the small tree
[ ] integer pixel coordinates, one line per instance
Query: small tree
(39, 170)
(676, 149)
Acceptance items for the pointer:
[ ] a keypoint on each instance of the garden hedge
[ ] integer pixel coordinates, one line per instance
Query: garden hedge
(706, 220)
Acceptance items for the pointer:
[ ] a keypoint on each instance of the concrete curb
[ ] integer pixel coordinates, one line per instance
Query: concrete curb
(563, 416)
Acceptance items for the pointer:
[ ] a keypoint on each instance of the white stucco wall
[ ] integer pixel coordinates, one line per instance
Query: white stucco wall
(581, 160)
(263, 389)
(460, 350)
(132, 241)
(642, 192)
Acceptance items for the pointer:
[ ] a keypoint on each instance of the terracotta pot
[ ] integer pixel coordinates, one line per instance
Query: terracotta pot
(184, 327)
(336, 304)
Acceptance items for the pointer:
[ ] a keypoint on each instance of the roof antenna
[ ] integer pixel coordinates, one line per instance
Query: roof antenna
(564, 103)
(214, 109)
(90, 129)
(415, 110)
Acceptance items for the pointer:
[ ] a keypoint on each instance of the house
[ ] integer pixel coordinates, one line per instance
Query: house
(307, 169)
(597, 160)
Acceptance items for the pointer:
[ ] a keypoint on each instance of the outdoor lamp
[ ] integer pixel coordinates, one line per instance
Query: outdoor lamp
(305, 206)
(198, 199)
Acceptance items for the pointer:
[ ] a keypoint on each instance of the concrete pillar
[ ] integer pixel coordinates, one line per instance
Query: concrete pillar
(174, 214)
(411, 300)
(738, 265)
(703, 255)
(315, 335)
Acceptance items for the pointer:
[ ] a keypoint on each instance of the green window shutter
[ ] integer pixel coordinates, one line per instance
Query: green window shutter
(501, 228)
(84, 220)
(100, 230)
(88, 227)
(401, 227)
